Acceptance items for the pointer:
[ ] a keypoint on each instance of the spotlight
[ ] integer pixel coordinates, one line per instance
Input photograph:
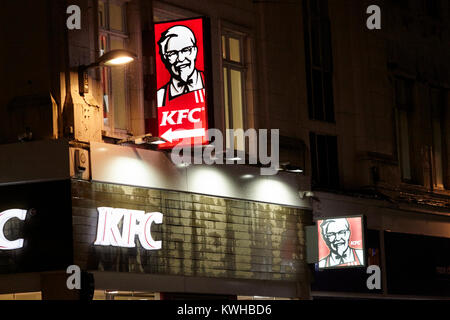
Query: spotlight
(110, 59)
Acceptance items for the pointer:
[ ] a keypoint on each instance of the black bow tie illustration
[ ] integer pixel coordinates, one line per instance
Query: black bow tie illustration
(341, 257)
(184, 84)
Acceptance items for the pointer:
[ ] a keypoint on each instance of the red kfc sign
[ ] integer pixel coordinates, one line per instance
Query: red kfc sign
(181, 82)
(341, 242)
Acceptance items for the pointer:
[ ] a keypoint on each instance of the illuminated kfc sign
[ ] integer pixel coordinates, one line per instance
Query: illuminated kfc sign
(133, 222)
(181, 52)
(341, 242)
(6, 216)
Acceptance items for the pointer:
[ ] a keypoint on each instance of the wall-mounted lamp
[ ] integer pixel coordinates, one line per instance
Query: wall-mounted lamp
(110, 59)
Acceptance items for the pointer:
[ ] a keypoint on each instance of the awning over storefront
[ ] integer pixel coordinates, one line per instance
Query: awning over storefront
(53, 160)
(154, 169)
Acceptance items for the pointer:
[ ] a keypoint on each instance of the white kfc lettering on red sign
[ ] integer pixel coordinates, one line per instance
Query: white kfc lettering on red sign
(167, 116)
(135, 222)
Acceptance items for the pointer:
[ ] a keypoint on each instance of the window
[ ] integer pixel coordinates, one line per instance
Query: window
(403, 4)
(431, 8)
(324, 161)
(22, 296)
(404, 105)
(438, 103)
(112, 36)
(233, 84)
(318, 60)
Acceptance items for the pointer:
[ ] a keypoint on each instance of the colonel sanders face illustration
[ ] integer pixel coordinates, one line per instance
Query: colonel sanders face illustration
(178, 50)
(336, 233)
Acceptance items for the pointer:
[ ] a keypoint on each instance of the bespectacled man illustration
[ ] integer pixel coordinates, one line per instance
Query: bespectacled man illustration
(178, 51)
(336, 234)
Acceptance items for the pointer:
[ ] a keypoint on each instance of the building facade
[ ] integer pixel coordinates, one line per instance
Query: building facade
(226, 231)
(379, 143)
(362, 117)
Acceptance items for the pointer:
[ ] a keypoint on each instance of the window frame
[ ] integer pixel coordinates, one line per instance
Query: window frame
(241, 67)
(439, 115)
(325, 110)
(432, 8)
(229, 65)
(315, 165)
(110, 129)
(406, 108)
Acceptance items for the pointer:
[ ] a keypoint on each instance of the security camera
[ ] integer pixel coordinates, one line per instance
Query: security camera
(26, 136)
(307, 194)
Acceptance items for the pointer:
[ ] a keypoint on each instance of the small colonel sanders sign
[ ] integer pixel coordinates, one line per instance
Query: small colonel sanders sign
(181, 82)
(341, 242)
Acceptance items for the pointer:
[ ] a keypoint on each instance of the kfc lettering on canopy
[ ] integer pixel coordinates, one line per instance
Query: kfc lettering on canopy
(134, 222)
(5, 216)
(181, 82)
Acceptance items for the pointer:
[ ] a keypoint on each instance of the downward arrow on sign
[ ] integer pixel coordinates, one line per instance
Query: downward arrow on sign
(170, 135)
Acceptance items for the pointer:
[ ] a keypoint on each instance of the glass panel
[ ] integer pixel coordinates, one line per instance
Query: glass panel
(318, 95)
(314, 6)
(437, 150)
(123, 295)
(333, 161)
(28, 296)
(437, 102)
(99, 295)
(236, 98)
(118, 90)
(326, 45)
(225, 94)
(315, 43)
(400, 98)
(116, 17)
(227, 104)
(404, 145)
(323, 7)
(323, 163)
(102, 14)
(119, 97)
(328, 96)
(22, 296)
(235, 49)
(432, 8)
(236, 95)
(404, 94)
(105, 86)
(224, 48)
(117, 43)
(104, 80)
(314, 161)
